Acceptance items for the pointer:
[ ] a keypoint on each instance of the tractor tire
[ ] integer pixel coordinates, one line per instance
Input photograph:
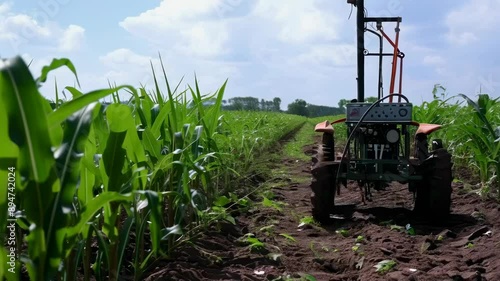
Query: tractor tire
(328, 142)
(421, 147)
(323, 184)
(433, 199)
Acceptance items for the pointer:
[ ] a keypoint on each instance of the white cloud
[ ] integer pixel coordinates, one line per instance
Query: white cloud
(123, 66)
(22, 30)
(471, 21)
(190, 26)
(119, 58)
(72, 38)
(333, 55)
(434, 60)
(205, 39)
(4, 7)
(299, 21)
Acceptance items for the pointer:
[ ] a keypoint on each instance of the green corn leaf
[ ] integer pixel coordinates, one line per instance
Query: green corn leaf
(160, 118)
(101, 131)
(75, 92)
(124, 239)
(151, 145)
(154, 207)
(479, 113)
(171, 231)
(88, 172)
(55, 64)
(146, 106)
(159, 97)
(67, 158)
(5, 266)
(8, 159)
(113, 160)
(74, 105)
(103, 248)
(171, 100)
(222, 201)
(93, 207)
(27, 122)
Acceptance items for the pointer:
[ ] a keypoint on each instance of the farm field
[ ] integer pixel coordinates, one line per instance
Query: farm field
(165, 185)
(465, 248)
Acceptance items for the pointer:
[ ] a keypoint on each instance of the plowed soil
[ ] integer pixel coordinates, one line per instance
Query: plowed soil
(360, 236)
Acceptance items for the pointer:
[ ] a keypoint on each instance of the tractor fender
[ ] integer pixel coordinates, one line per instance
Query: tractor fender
(326, 126)
(424, 128)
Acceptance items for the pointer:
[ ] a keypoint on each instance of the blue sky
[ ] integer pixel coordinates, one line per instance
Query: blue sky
(267, 48)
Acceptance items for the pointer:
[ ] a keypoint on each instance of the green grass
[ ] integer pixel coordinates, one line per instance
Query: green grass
(294, 147)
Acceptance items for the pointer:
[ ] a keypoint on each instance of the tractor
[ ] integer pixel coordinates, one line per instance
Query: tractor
(379, 149)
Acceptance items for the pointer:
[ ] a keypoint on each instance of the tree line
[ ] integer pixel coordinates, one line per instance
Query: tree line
(298, 107)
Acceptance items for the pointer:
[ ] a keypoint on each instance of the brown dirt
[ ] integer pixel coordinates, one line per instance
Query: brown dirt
(463, 248)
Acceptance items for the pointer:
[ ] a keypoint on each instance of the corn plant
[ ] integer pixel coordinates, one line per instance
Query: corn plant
(477, 130)
(438, 111)
(47, 177)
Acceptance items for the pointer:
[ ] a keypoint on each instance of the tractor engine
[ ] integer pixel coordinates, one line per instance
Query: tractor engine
(380, 136)
(381, 141)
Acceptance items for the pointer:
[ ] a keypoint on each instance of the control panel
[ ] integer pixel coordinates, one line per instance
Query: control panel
(382, 112)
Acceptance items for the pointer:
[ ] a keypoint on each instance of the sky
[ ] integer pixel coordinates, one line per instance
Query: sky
(292, 49)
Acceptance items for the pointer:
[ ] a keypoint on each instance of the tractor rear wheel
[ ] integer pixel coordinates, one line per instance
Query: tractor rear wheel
(323, 172)
(434, 191)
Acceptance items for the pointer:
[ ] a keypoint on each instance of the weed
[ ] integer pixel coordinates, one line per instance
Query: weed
(288, 237)
(359, 239)
(343, 232)
(272, 204)
(396, 227)
(307, 221)
(268, 229)
(385, 266)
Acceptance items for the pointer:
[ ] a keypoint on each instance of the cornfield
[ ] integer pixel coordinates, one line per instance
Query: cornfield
(96, 191)
(471, 130)
(89, 178)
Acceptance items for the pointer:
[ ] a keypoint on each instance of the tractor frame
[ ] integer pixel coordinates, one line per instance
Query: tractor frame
(379, 147)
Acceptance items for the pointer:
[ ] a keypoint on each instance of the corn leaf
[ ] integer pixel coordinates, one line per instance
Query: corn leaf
(27, 122)
(74, 105)
(55, 64)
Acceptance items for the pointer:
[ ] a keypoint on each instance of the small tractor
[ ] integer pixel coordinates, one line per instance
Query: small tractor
(377, 150)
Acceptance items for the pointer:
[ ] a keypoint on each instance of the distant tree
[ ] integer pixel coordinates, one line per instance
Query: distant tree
(276, 104)
(371, 99)
(298, 107)
(321, 110)
(243, 103)
(343, 102)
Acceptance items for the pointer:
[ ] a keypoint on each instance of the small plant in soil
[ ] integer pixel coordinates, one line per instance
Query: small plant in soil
(343, 232)
(358, 249)
(307, 221)
(396, 227)
(385, 266)
(268, 229)
(266, 202)
(360, 239)
(288, 237)
(254, 244)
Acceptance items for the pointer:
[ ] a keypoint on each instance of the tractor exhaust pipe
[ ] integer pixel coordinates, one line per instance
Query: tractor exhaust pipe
(360, 22)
